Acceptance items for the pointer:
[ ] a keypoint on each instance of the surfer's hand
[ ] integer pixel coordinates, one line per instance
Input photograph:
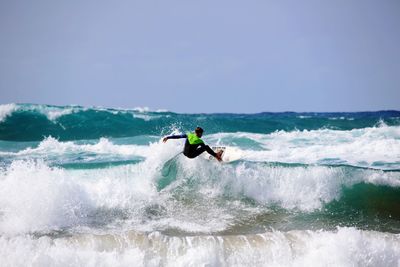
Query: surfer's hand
(218, 157)
(165, 139)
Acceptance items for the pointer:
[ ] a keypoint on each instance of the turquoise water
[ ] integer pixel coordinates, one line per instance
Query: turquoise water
(97, 186)
(76, 123)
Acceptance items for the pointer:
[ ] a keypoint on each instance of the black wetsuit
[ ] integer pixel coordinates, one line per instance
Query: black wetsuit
(192, 151)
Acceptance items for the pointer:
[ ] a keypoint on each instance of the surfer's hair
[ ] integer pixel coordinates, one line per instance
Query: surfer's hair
(198, 130)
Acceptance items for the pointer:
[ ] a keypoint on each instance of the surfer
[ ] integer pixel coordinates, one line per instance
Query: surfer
(194, 146)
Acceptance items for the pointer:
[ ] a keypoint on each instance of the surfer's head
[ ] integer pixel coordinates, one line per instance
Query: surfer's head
(199, 131)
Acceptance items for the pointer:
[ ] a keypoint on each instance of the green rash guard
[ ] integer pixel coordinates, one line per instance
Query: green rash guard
(194, 139)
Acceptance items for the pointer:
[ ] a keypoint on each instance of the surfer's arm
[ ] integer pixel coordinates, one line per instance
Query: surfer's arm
(174, 137)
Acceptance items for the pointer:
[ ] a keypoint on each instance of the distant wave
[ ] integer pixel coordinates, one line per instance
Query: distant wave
(29, 122)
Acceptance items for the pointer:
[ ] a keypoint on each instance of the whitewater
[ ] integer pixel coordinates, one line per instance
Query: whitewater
(95, 186)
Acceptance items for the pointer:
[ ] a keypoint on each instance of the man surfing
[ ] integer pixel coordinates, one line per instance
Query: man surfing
(194, 146)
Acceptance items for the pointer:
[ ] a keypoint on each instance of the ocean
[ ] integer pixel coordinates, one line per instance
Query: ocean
(93, 186)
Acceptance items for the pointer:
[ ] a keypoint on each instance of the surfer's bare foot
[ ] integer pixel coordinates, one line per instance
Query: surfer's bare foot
(219, 155)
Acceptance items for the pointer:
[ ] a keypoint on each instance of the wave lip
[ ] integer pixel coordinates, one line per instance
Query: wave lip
(6, 110)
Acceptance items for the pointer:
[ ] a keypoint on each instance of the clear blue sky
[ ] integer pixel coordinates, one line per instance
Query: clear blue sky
(202, 56)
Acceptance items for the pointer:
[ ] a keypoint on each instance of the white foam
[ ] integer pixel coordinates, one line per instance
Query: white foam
(35, 197)
(161, 110)
(359, 147)
(147, 109)
(129, 110)
(52, 146)
(6, 110)
(51, 112)
(142, 109)
(304, 117)
(146, 117)
(54, 114)
(344, 247)
(337, 118)
(300, 188)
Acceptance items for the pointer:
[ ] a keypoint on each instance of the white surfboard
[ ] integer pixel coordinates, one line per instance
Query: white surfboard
(229, 154)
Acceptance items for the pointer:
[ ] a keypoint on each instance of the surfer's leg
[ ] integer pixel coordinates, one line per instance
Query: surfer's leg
(210, 151)
(198, 151)
(202, 149)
